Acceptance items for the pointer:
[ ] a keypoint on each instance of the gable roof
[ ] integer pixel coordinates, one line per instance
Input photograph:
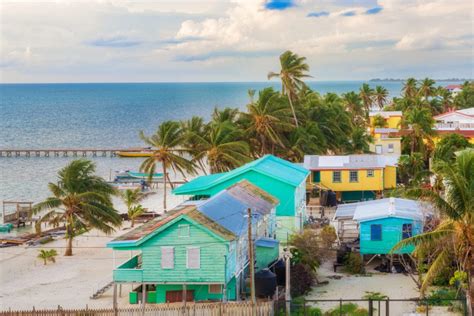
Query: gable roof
(315, 162)
(469, 112)
(188, 212)
(223, 215)
(383, 208)
(229, 207)
(269, 165)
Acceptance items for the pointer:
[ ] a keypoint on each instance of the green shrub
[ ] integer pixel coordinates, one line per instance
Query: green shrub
(354, 264)
(443, 277)
(302, 278)
(439, 297)
(299, 308)
(46, 240)
(349, 309)
(374, 296)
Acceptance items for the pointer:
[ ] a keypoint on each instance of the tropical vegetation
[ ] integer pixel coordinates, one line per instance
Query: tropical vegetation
(81, 200)
(47, 255)
(132, 199)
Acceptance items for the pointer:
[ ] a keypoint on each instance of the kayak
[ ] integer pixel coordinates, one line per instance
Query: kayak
(131, 154)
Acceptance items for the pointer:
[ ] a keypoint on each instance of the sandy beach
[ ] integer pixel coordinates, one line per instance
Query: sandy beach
(69, 282)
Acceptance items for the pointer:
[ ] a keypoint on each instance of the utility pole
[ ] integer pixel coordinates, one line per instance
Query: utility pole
(251, 257)
(287, 256)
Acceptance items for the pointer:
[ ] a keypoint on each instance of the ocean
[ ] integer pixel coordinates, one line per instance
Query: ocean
(107, 115)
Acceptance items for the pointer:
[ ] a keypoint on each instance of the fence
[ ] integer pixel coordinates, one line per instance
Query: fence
(372, 307)
(262, 308)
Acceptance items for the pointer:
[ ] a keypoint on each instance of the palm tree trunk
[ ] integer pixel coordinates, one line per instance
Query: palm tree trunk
(293, 110)
(68, 252)
(165, 181)
(70, 236)
(133, 222)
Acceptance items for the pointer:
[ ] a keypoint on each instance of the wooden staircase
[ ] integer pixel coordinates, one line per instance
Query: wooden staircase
(102, 290)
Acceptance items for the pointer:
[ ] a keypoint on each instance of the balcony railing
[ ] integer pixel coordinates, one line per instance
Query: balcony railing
(129, 271)
(454, 126)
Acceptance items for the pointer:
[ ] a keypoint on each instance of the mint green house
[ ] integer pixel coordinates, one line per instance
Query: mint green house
(282, 179)
(199, 250)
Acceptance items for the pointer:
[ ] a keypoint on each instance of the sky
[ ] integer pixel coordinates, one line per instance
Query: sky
(235, 40)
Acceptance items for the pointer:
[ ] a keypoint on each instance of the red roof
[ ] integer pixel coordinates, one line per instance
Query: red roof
(453, 86)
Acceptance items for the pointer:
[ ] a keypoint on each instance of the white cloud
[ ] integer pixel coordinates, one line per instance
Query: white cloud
(236, 40)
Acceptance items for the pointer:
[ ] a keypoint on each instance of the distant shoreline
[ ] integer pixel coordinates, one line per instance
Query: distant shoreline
(437, 80)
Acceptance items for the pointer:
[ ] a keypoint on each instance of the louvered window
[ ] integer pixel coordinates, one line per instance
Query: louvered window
(167, 257)
(193, 258)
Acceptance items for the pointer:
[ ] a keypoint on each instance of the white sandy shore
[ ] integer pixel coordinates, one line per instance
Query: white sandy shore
(25, 282)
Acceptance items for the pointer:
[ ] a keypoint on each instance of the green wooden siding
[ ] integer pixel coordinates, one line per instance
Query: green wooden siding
(391, 235)
(127, 272)
(212, 263)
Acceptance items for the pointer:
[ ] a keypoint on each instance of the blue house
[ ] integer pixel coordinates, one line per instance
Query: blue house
(383, 223)
(282, 179)
(199, 250)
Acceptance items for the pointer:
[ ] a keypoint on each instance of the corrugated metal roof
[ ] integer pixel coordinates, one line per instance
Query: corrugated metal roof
(229, 207)
(314, 162)
(380, 130)
(269, 165)
(383, 208)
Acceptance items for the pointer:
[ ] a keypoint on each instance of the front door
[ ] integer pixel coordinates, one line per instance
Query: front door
(177, 296)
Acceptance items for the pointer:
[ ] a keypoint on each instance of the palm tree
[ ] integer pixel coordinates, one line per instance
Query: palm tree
(293, 69)
(418, 124)
(379, 121)
(225, 115)
(455, 232)
(47, 255)
(81, 200)
(410, 88)
(353, 104)
(191, 128)
(266, 120)
(427, 88)
(411, 168)
(132, 198)
(366, 93)
(221, 146)
(167, 147)
(381, 95)
(446, 98)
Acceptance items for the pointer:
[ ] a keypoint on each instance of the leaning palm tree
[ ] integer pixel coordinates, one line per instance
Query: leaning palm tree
(380, 96)
(221, 146)
(456, 231)
(168, 152)
(191, 128)
(293, 69)
(81, 200)
(132, 199)
(267, 119)
(366, 93)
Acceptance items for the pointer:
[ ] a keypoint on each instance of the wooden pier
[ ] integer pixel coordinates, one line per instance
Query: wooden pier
(66, 152)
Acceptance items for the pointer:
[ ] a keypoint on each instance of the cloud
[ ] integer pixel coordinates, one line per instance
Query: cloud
(349, 13)
(279, 4)
(317, 14)
(226, 54)
(115, 41)
(374, 10)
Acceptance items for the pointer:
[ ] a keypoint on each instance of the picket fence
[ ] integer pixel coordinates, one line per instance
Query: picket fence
(262, 308)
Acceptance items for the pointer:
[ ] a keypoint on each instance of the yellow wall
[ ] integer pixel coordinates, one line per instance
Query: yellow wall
(364, 184)
(392, 121)
(390, 177)
(397, 147)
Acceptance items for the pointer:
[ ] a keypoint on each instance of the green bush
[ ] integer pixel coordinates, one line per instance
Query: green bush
(299, 308)
(349, 309)
(443, 277)
(354, 264)
(302, 278)
(439, 297)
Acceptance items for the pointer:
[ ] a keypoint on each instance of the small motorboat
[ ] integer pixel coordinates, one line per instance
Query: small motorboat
(128, 176)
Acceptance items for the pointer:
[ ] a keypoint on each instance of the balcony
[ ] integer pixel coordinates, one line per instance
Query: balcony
(454, 126)
(129, 271)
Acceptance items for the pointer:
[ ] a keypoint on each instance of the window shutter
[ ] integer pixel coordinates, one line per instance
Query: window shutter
(193, 258)
(167, 257)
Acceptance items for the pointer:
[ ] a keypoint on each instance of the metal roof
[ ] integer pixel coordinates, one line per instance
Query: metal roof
(314, 162)
(383, 208)
(229, 207)
(266, 242)
(269, 165)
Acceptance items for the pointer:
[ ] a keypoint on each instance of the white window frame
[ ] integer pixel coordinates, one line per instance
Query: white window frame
(198, 261)
(350, 176)
(370, 173)
(214, 292)
(340, 176)
(163, 266)
(378, 149)
(181, 228)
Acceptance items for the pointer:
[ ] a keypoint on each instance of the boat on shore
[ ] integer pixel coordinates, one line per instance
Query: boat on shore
(135, 177)
(135, 154)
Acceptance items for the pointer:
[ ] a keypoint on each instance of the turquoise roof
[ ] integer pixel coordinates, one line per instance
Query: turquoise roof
(268, 165)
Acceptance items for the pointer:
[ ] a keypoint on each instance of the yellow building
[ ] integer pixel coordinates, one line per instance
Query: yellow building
(352, 177)
(387, 140)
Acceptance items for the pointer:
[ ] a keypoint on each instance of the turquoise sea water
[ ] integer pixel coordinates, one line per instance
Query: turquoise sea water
(106, 115)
